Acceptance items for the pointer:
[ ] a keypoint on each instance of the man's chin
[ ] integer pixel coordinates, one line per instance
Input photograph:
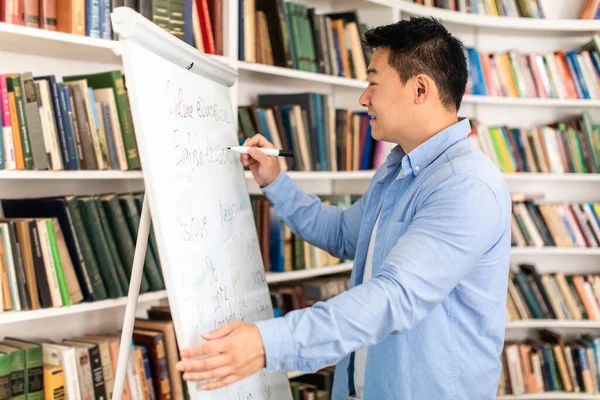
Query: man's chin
(376, 134)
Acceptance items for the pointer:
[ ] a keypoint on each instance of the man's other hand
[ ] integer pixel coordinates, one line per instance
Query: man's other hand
(230, 353)
(264, 168)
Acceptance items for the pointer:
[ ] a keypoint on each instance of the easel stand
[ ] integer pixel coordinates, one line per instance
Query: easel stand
(132, 299)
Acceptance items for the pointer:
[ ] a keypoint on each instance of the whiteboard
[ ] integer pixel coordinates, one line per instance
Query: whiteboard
(199, 203)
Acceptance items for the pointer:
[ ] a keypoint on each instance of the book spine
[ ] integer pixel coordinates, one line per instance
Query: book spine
(85, 253)
(35, 373)
(112, 247)
(133, 161)
(48, 15)
(97, 373)
(72, 160)
(14, 82)
(4, 376)
(100, 246)
(17, 375)
(92, 18)
(117, 223)
(8, 160)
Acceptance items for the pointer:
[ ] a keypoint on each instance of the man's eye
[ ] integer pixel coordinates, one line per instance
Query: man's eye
(372, 84)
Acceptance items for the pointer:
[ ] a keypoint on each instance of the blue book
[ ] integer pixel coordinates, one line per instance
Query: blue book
(320, 131)
(65, 109)
(92, 18)
(277, 242)
(575, 68)
(188, 27)
(105, 23)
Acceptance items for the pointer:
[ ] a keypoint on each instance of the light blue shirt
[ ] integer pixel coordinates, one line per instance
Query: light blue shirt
(433, 313)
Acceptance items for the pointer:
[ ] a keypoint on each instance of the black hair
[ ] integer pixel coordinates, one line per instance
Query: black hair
(423, 45)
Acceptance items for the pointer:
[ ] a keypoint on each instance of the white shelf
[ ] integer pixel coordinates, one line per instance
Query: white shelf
(552, 324)
(15, 184)
(10, 317)
(329, 175)
(555, 251)
(70, 175)
(551, 396)
(303, 75)
(551, 177)
(41, 42)
(533, 102)
(278, 277)
(356, 182)
(579, 26)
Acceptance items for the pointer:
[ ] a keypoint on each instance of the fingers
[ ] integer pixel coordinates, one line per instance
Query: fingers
(216, 373)
(222, 331)
(228, 380)
(203, 349)
(258, 140)
(204, 365)
(257, 155)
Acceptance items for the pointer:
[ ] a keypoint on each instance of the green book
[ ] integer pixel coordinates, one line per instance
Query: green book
(85, 246)
(13, 84)
(112, 247)
(60, 272)
(33, 371)
(95, 231)
(114, 80)
(4, 376)
(123, 238)
(151, 267)
(139, 200)
(17, 371)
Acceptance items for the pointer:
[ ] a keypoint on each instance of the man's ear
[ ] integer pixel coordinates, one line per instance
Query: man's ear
(422, 88)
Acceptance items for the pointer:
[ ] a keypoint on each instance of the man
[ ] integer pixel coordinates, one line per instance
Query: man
(430, 240)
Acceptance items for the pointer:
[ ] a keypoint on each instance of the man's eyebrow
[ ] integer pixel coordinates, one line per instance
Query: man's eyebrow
(371, 71)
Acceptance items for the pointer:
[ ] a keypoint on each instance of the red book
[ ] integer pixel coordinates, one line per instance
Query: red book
(205, 26)
(11, 11)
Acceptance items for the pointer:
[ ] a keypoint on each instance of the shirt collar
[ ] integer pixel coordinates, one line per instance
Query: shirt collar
(420, 157)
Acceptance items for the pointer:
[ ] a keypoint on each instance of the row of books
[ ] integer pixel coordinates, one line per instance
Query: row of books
(83, 122)
(571, 74)
(532, 295)
(60, 251)
(571, 146)
(550, 362)
(281, 250)
(317, 386)
(535, 223)
(84, 367)
(293, 35)
(496, 8)
(322, 137)
(197, 22)
(288, 297)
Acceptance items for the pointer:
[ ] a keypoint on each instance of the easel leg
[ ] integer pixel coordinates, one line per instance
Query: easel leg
(132, 298)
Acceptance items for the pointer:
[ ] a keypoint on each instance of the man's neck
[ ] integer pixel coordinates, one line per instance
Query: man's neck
(427, 129)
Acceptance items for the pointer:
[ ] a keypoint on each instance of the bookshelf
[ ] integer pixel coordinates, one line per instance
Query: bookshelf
(44, 52)
(15, 317)
(547, 26)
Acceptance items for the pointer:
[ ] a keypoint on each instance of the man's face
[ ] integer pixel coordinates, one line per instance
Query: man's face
(389, 102)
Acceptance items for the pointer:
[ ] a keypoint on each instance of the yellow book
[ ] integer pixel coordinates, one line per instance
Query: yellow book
(54, 382)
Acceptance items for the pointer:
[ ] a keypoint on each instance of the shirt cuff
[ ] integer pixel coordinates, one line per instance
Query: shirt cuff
(279, 344)
(281, 189)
